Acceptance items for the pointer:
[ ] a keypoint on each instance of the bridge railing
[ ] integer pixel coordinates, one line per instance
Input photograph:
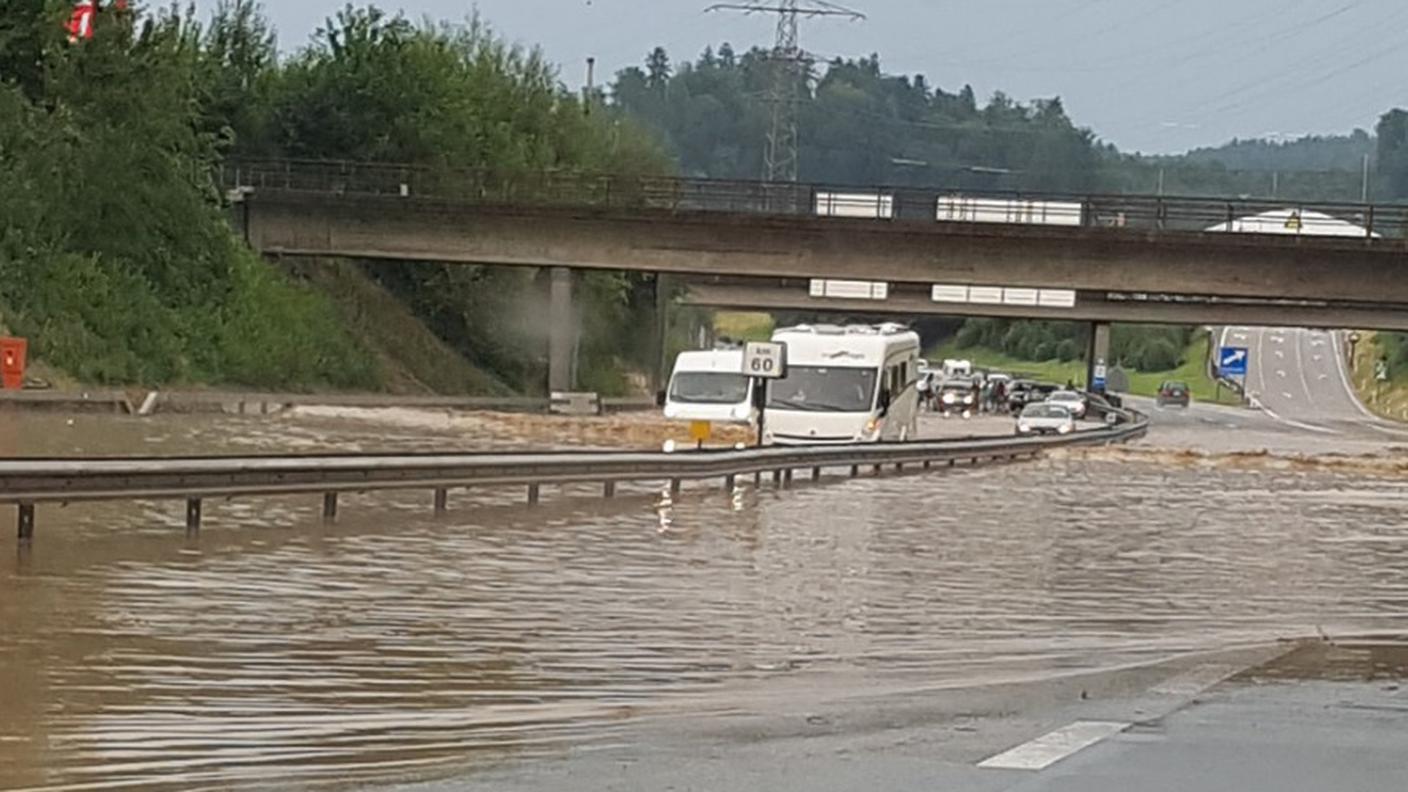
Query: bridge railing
(893, 204)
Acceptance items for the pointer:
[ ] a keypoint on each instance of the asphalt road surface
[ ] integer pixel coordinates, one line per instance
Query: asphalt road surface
(1302, 402)
(1291, 718)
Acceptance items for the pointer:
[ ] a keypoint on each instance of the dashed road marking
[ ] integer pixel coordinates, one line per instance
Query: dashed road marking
(1288, 396)
(1281, 373)
(1052, 747)
(1280, 353)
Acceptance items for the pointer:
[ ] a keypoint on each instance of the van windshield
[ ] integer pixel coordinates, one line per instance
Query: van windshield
(709, 387)
(823, 389)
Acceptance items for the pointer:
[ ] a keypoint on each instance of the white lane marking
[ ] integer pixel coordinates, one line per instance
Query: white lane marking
(1195, 680)
(1278, 339)
(1323, 377)
(1287, 421)
(1288, 395)
(1300, 369)
(1317, 358)
(1281, 373)
(1280, 354)
(1051, 748)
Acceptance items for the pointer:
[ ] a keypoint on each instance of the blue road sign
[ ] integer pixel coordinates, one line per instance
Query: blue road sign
(1232, 361)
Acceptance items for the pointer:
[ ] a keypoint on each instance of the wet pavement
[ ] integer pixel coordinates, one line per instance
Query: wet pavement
(920, 622)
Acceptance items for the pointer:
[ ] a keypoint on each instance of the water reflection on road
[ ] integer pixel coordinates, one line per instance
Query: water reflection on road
(275, 651)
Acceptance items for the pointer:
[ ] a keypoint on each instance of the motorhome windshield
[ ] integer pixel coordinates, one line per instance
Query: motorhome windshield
(823, 389)
(709, 387)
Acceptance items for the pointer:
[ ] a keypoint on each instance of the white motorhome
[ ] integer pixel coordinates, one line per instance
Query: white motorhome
(710, 386)
(852, 384)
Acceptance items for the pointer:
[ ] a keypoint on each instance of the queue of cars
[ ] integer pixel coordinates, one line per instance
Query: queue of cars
(866, 383)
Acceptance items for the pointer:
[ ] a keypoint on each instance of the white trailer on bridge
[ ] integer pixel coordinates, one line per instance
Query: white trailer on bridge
(970, 209)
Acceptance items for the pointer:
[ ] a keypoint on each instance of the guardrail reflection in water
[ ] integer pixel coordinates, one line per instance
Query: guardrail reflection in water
(27, 482)
(1375, 223)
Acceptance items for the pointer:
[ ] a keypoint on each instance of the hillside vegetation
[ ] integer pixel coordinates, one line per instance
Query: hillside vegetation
(117, 263)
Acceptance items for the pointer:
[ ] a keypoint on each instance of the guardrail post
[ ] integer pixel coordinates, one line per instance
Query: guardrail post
(533, 494)
(776, 477)
(26, 522)
(442, 499)
(899, 467)
(787, 477)
(675, 486)
(329, 507)
(816, 473)
(879, 469)
(730, 482)
(608, 490)
(1369, 223)
(855, 470)
(193, 512)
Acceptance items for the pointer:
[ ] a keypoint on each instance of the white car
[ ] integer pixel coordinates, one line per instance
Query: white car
(1046, 418)
(1071, 400)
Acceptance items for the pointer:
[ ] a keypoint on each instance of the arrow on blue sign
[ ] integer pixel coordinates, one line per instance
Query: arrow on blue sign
(1232, 360)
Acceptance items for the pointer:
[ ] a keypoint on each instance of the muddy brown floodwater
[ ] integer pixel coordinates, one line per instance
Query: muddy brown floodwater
(274, 652)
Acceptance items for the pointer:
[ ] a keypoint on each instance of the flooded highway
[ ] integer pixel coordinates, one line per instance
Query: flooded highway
(276, 652)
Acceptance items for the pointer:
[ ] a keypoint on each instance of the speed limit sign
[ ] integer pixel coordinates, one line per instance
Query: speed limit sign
(765, 360)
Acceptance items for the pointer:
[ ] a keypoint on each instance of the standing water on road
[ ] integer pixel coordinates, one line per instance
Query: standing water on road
(274, 650)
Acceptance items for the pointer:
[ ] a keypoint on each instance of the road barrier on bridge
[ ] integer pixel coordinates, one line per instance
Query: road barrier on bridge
(1375, 223)
(27, 482)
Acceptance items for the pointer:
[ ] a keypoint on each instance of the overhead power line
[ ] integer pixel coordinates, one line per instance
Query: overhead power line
(788, 66)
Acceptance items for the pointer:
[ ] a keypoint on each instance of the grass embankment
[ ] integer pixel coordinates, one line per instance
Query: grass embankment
(409, 358)
(1141, 383)
(1389, 399)
(743, 326)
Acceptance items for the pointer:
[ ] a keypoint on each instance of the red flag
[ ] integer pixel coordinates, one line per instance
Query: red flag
(80, 24)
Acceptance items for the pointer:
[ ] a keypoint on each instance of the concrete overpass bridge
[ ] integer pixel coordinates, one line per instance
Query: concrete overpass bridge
(753, 244)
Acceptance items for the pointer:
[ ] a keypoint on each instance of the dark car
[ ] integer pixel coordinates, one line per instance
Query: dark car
(1174, 393)
(1024, 392)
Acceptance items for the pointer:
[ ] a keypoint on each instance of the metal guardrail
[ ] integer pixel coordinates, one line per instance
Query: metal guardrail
(1374, 223)
(26, 482)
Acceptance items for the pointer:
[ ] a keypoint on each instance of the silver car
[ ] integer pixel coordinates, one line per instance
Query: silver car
(1071, 400)
(1046, 418)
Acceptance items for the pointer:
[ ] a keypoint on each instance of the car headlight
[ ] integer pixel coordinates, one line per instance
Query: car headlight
(1024, 427)
(1065, 429)
(949, 398)
(968, 399)
(872, 426)
(671, 411)
(740, 412)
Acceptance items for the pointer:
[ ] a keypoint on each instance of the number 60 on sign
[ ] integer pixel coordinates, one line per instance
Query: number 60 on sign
(765, 359)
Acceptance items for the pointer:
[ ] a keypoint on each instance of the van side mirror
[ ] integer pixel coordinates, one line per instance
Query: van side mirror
(884, 400)
(660, 398)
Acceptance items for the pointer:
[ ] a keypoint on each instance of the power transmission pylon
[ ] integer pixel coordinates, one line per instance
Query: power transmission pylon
(788, 64)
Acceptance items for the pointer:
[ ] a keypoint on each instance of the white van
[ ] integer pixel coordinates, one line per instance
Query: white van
(710, 386)
(853, 384)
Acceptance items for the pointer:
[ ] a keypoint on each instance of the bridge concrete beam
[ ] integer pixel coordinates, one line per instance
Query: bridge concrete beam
(715, 243)
(796, 298)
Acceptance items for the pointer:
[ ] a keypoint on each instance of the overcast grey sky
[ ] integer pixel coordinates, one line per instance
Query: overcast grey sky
(1150, 75)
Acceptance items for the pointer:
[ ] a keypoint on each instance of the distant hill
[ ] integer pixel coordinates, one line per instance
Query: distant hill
(1310, 153)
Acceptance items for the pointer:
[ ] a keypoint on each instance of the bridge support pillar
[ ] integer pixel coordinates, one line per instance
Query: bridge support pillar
(562, 331)
(661, 376)
(1099, 353)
